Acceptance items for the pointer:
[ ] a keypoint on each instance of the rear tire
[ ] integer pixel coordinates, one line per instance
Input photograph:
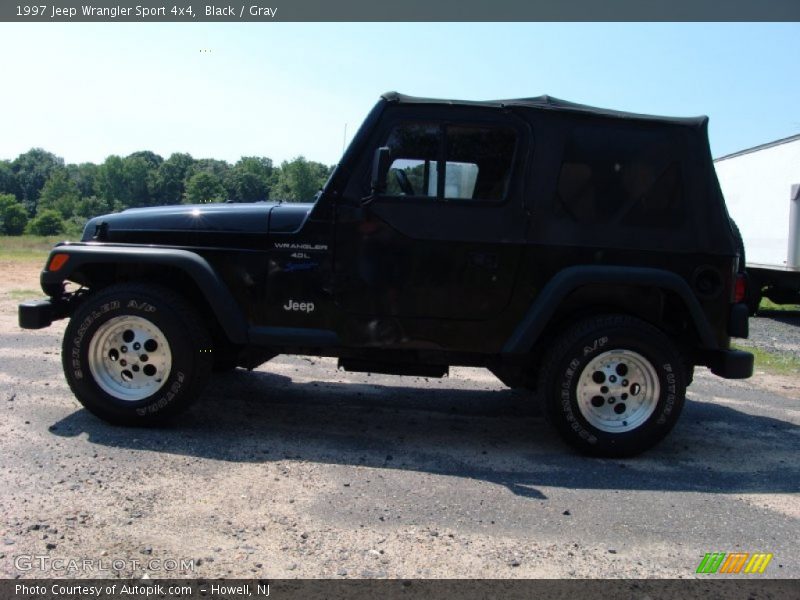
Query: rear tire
(136, 354)
(613, 385)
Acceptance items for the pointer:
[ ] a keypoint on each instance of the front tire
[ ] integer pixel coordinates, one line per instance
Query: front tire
(613, 385)
(136, 354)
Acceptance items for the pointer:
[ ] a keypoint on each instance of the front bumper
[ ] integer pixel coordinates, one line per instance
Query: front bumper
(730, 364)
(37, 314)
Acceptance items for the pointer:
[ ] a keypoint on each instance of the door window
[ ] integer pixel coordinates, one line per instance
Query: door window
(450, 162)
(415, 151)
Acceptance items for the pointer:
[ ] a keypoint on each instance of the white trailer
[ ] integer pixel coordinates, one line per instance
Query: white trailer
(761, 186)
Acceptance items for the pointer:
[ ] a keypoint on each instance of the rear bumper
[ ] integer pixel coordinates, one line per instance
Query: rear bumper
(730, 364)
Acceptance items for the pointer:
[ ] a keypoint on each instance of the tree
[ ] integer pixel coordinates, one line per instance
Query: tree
(204, 186)
(41, 181)
(13, 216)
(151, 158)
(220, 168)
(299, 180)
(92, 206)
(168, 184)
(110, 184)
(60, 193)
(8, 181)
(249, 180)
(31, 171)
(47, 222)
(84, 176)
(136, 171)
(14, 219)
(7, 200)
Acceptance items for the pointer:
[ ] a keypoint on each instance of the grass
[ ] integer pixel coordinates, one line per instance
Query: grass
(27, 247)
(767, 304)
(782, 363)
(24, 294)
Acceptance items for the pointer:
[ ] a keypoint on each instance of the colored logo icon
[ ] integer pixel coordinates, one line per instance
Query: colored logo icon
(734, 562)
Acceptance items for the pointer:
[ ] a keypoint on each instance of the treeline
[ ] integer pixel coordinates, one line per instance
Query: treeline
(42, 195)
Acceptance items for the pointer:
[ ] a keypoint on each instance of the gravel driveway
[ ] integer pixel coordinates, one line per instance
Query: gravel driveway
(776, 331)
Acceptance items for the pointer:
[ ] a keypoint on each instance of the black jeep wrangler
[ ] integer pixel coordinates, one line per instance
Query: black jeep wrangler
(584, 254)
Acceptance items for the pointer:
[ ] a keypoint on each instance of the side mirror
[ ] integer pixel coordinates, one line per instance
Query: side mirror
(380, 169)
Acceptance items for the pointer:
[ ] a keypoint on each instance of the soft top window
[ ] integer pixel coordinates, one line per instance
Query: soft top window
(628, 175)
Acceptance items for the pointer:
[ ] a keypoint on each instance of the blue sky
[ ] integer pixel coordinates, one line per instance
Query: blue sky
(85, 91)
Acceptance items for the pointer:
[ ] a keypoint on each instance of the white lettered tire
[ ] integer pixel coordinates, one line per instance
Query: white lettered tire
(136, 354)
(613, 385)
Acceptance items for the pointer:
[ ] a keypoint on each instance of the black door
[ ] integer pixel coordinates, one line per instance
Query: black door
(445, 240)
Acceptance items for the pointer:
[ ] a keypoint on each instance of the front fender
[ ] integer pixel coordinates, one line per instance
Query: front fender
(216, 293)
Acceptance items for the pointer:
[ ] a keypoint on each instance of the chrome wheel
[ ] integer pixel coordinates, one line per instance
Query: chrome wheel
(129, 358)
(618, 391)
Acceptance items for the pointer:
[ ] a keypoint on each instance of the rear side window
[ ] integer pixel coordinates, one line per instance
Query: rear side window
(450, 162)
(612, 174)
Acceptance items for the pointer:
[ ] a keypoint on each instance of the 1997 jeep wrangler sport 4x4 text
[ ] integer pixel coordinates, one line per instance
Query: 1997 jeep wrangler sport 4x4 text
(581, 253)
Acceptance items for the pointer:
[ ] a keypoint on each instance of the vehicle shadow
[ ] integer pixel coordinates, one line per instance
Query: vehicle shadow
(788, 317)
(497, 436)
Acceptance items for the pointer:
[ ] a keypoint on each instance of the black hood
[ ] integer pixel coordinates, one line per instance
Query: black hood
(258, 217)
(288, 217)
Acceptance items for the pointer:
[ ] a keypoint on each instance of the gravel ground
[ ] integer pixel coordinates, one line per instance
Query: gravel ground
(776, 331)
(299, 470)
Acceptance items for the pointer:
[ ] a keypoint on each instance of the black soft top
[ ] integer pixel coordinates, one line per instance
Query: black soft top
(613, 179)
(549, 103)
